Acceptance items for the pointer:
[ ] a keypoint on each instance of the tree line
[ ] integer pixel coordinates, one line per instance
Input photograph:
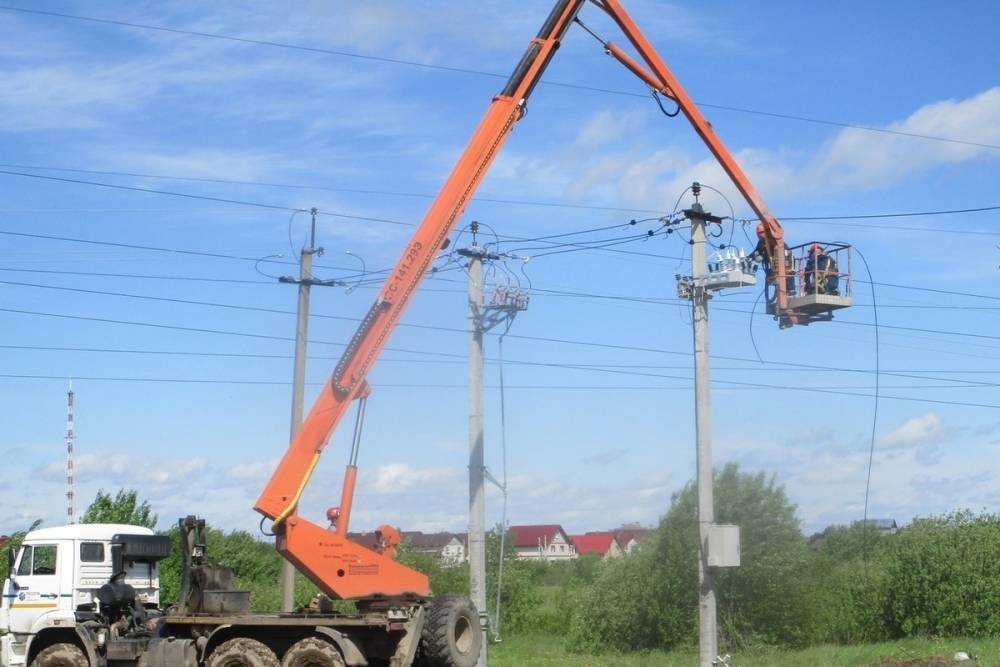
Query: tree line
(936, 577)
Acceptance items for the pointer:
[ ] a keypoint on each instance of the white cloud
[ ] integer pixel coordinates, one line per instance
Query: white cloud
(861, 160)
(923, 430)
(113, 468)
(62, 96)
(254, 470)
(401, 477)
(854, 160)
(608, 126)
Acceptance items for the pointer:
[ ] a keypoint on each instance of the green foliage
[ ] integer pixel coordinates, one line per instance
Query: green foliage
(14, 544)
(521, 600)
(942, 575)
(650, 600)
(256, 565)
(521, 596)
(443, 579)
(848, 580)
(624, 608)
(849, 585)
(125, 507)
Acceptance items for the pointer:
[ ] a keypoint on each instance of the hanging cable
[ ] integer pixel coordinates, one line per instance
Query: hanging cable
(659, 103)
(871, 448)
(753, 311)
(503, 474)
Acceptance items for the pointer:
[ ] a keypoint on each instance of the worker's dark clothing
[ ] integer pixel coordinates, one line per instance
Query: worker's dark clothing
(821, 276)
(763, 254)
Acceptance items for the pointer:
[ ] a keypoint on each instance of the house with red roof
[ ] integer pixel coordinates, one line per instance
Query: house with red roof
(548, 542)
(604, 544)
(631, 537)
(450, 548)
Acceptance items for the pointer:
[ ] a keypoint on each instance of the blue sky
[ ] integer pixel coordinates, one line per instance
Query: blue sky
(588, 449)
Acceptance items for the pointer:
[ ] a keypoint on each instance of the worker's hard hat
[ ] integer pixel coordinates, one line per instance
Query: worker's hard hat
(816, 249)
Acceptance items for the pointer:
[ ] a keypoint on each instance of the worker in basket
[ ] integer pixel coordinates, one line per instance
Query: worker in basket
(821, 274)
(762, 254)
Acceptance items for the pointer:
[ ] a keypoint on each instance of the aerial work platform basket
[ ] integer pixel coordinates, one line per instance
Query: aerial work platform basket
(819, 281)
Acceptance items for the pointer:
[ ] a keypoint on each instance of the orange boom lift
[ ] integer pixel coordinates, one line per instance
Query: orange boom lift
(336, 565)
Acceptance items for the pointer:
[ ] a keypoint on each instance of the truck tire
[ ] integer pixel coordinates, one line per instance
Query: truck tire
(312, 652)
(242, 652)
(451, 635)
(60, 655)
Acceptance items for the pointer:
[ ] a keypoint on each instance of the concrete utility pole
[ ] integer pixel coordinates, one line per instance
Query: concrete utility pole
(719, 545)
(708, 648)
(304, 281)
(477, 465)
(505, 305)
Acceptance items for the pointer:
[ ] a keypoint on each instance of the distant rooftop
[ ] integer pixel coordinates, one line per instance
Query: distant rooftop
(593, 543)
(533, 535)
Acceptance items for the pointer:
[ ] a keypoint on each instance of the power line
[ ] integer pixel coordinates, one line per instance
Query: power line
(188, 195)
(535, 291)
(322, 188)
(808, 219)
(133, 246)
(618, 369)
(141, 276)
(896, 327)
(453, 355)
(909, 214)
(747, 386)
(340, 215)
(465, 70)
(905, 373)
(450, 329)
(830, 220)
(575, 365)
(935, 290)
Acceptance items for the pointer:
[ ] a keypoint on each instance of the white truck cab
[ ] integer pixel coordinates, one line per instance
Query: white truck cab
(58, 572)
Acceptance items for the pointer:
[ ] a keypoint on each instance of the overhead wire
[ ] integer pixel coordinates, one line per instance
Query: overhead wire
(189, 195)
(430, 327)
(461, 360)
(807, 219)
(470, 71)
(725, 309)
(322, 188)
(746, 386)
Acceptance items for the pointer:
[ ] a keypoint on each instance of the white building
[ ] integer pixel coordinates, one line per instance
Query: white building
(548, 542)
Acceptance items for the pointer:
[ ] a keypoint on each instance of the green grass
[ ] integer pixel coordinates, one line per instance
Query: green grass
(549, 651)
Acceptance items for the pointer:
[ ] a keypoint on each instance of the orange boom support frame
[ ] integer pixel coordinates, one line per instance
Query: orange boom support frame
(336, 565)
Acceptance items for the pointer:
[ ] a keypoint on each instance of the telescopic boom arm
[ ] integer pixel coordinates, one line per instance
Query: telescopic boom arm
(338, 566)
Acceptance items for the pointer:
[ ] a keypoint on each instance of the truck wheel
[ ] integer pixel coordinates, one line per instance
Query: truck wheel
(451, 636)
(312, 652)
(242, 652)
(60, 655)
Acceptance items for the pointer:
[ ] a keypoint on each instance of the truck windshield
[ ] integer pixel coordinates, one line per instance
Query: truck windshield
(24, 567)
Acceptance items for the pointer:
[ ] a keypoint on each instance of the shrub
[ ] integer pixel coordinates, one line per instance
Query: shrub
(942, 577)
(651, 601)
